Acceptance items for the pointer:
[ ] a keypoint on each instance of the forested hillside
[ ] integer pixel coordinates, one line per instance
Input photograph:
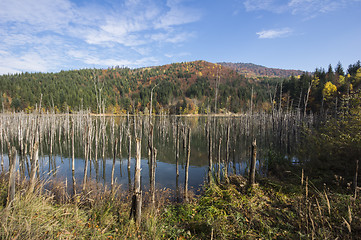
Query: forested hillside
(180, 88)
(330, 91)
(255, 71)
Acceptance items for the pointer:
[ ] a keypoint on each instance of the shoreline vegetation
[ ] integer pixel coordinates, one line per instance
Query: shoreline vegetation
(292, 208)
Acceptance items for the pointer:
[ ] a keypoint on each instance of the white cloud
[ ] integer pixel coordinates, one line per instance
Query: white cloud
(142, 50)
(31, 62)
(274, 33)
(49, 29)
(174, 55)
(172, 37)
(267, 5)
(310, 8)
(130, 27)
(95, 59)
(316, 6)
(177, 15)
(40, 15)
(120, 62)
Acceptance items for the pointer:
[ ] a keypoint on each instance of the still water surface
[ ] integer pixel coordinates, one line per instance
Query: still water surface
(276, 133)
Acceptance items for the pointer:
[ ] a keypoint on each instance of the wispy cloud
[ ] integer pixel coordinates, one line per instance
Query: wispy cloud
(275, 33)
(304, 7)
(266, 5)
(131, 26)
(177, 15)
(174, 55)
(172, 37)
(30, 61)
(96, 59)
(52, 29)
(41, 16)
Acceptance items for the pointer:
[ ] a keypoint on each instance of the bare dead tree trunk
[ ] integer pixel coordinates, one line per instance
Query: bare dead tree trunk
(280, 102)
(272, 98)
(225, 165)
(135, 127)
(12, 173)
(210, 162)
(120, 148)
(90, 146)
(129, 145)
(187, 165)
(252, 171)
(177, 188)
(73, 157)
(21, 146)
(251, 101)
(113, 167)
(355, 179)
(96, 151)
(96, 140)
(34, 166)
(306, 100)
(103, 145)
(216, 96)
(153, 177)
(152, 162)
(136, 210)
(59, 142)
(151, 101)
(177, 150)
(129, 181)
(2, 145)
(184, 133)
(52, 133)
(219, 161)
(150, 155)
(87, 146)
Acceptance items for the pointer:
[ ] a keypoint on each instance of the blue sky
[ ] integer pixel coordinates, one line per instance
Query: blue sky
(54, 35)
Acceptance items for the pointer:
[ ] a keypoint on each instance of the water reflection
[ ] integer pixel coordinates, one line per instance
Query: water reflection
(97, 139)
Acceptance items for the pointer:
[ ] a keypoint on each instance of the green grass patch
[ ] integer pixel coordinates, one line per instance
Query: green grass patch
(272, 209)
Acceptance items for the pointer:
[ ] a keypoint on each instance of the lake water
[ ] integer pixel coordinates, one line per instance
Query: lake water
(274, 133)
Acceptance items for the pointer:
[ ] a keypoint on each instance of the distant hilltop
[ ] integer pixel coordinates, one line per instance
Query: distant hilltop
(251, 70)
(182, 88)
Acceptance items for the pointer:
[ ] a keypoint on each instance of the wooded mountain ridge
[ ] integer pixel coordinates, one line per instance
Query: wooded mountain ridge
(253, 71)
(179, 88)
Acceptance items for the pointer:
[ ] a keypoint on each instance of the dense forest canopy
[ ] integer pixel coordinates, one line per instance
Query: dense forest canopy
(181, 88)
(251, 70)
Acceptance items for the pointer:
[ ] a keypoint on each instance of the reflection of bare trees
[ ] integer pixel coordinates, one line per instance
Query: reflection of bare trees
(90, 140)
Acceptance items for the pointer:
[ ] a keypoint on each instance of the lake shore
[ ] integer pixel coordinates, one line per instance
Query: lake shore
(271, 209)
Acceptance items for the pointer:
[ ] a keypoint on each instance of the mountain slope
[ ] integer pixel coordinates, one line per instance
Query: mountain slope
(251, 70)
(186, 87)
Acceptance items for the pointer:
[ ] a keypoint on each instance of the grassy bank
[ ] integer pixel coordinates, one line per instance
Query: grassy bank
(272, 209)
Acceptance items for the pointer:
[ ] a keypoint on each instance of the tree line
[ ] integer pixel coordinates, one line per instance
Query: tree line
(181, 88)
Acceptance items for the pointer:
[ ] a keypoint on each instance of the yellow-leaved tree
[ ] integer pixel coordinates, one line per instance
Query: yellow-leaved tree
(329, 90)
(358, 73)
(341, 80)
